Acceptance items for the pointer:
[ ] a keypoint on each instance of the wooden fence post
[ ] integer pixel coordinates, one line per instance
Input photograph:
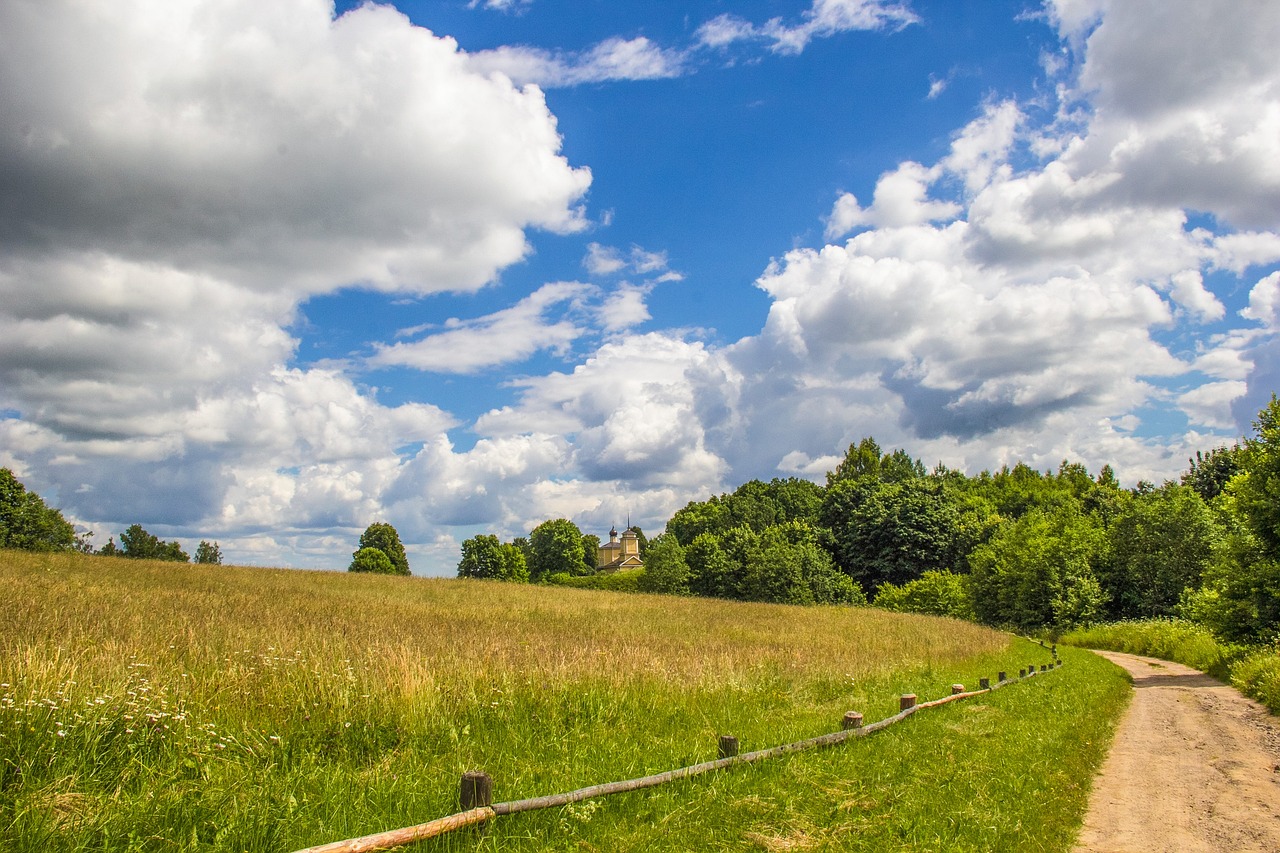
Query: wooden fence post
(956, 689)
(728, 746)
(1022, 673)
(852, 720)
(1001, 676)
(907, 700)
(984, 683)
(475, 790)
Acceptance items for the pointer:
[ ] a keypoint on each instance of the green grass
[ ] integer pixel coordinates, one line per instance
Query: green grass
(150, 706)
(1254, 670)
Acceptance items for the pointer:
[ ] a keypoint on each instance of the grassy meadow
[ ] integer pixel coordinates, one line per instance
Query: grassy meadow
(166, 707)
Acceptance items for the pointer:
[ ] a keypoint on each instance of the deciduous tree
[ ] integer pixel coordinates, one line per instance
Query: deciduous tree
(26, 523)
(556, 546)
(208, 552)
(481, 558)
(665, 568)
(385, 538)
(138, 544)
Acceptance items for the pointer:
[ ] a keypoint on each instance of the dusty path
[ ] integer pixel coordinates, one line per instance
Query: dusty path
(1195, 767)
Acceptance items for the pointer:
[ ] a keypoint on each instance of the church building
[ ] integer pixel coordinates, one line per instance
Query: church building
(620, 552)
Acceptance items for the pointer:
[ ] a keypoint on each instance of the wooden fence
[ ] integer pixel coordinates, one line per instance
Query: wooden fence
(476, 789)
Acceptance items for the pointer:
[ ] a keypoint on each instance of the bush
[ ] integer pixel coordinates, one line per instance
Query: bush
(372, 560)
(935, 593)
(1167, 639)
(1258, 675)
(628, 581)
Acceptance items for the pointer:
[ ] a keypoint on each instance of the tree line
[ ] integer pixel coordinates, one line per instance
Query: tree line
(1017, 547)
(28, 524)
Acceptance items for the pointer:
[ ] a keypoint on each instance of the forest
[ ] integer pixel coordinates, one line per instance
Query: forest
(1018, 548)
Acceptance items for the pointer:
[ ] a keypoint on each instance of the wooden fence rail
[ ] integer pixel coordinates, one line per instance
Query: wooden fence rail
(476, 788)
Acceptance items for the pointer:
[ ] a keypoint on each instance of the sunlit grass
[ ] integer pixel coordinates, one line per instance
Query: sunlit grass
(175, 707)
(1254, 670)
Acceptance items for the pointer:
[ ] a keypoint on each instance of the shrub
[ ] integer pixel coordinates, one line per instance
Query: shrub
(936, 593)
(628, 581)
(1168, 639)
(372, 560)
(1258, 675)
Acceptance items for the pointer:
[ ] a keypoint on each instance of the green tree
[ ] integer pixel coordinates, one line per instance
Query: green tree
(210, 553)
(641, 540)
(773, 572)
(556, 546)
(590, 551)
(485, 557)
(1162, 543)
(1210, 472)
(26, 523)
(383, 537)
(891, 532)
(665, 569)
(711, 571)
(522, 544)
(698, 517)
(136, 543)
(372, 560)
(1255, 489)
(1038, 571)
(1240, 598)
(860, 460)
(515, 567)
(796, 499)
(481, 558)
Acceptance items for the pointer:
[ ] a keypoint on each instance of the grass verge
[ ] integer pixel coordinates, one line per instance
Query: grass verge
(1253, 670)
(170, 707)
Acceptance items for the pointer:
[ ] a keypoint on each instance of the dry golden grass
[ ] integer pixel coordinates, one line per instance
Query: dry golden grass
(252, 709)
(85, 619)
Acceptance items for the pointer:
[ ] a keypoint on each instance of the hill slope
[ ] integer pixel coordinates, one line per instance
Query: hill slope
(155, 706)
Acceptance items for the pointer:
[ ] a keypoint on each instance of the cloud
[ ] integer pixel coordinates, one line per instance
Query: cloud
(630, 411)
(1063, 282)
(612, 59)
(174, 187)
(516, 6)
(825, 18)
(1186, 107)
(1019, 298)
(608, 260)
(504, 337)
(183, 134)
(901, 198)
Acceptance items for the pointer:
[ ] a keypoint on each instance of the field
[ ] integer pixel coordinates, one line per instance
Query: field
(153, 706)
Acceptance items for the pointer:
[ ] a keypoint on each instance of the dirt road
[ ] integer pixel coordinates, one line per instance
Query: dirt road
(1195, 767)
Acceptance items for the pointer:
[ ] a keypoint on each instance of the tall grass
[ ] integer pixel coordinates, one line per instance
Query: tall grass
(154, 706)
(1254, 670)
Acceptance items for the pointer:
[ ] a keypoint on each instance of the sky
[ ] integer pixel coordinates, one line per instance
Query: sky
(270, 272)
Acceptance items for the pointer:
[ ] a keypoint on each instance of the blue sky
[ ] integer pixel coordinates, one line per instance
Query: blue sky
(271, 272)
